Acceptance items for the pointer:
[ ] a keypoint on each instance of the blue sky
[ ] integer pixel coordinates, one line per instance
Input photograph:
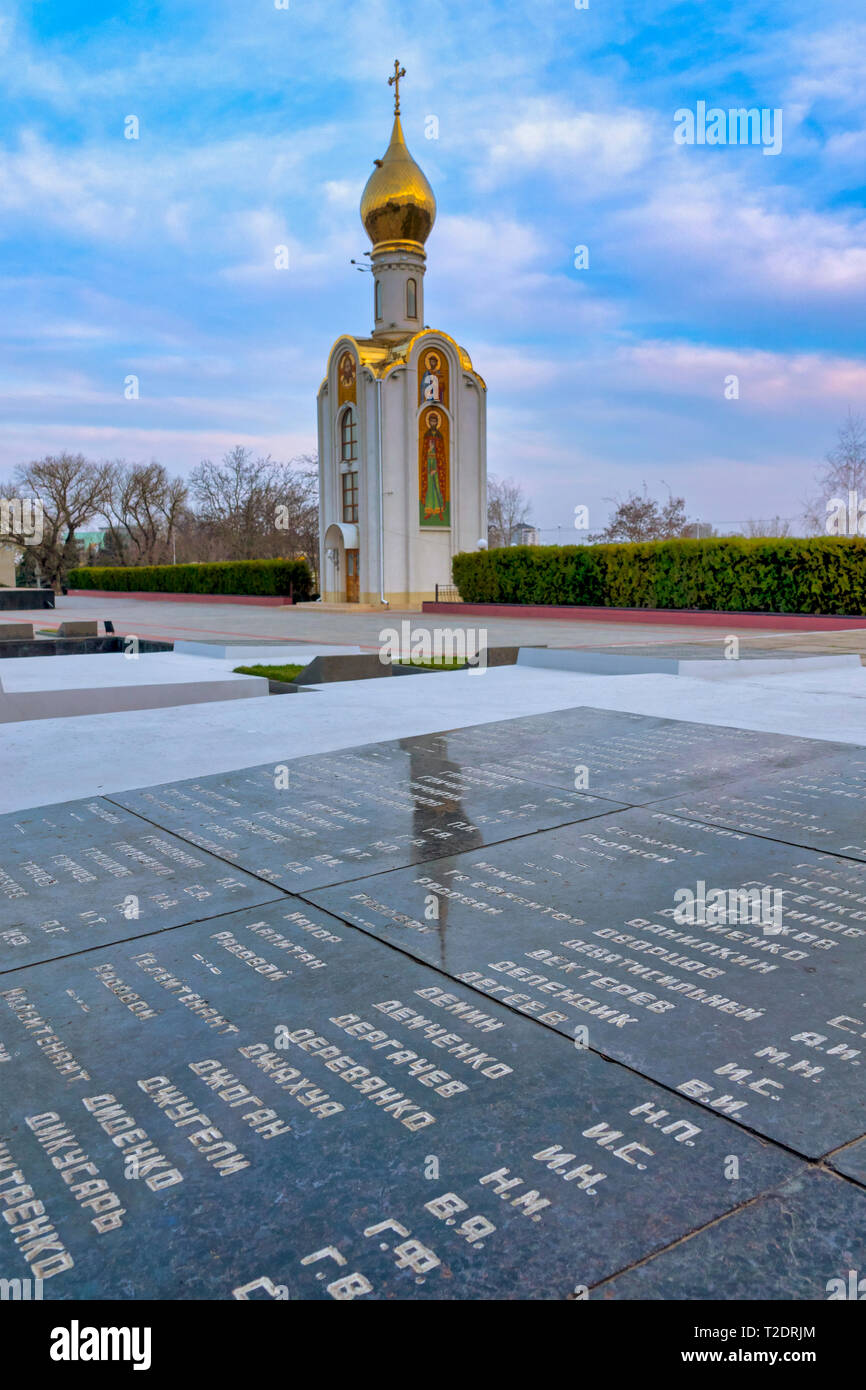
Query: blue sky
(258, 128)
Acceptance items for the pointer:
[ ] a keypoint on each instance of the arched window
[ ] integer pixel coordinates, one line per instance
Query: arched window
(349, 463)
(378, 299)
(348, 436)
(411, 299)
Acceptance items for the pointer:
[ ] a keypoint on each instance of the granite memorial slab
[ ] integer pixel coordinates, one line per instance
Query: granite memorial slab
(628, 757)
(271, 1105)
(727, 967)
(803, 1242)
(851, 1161)
(84, 873)
(820, 806)
(333, 817)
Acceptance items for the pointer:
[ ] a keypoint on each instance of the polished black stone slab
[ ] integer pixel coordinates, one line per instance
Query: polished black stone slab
(801, 1243)
(628, 757)
(821, 806)
(764, 1021)
(86, 872)
(272, 1105)
(333, 817)
(77, 646)
(25, 599)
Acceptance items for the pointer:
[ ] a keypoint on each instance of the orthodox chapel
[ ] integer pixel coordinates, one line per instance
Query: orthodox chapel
(402, 416)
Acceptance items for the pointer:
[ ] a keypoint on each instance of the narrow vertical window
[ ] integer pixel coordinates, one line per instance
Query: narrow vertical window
(348, 437)
(411, 299)
(378, 299)
(350, 496)
(349, 464)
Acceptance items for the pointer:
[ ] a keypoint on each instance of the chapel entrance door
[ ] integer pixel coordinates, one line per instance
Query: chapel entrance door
(353, 593)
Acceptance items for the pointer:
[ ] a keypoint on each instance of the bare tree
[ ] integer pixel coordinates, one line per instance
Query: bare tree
(246, 508)
(844, 471)
(72, 490)
(508, 509)
(194, 540)
(144, 506)
(639, 517)
(237, 499)
(300, 483)
(254, 508)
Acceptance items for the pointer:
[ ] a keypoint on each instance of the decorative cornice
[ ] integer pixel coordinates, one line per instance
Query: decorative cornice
(381, 358)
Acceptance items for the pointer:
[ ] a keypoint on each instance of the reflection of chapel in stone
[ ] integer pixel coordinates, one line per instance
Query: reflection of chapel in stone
(402, 416)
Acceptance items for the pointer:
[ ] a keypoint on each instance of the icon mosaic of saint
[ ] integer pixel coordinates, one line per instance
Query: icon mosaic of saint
(346, 378)
(435, 507)
(434, 382)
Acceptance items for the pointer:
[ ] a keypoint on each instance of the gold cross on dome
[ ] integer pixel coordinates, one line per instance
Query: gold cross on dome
(395, 83)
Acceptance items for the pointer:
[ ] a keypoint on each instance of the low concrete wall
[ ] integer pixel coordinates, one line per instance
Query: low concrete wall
(617, 664)
(678, 617)
(597, 663)
(323, 670)
(260, 600)
(268, 653)
(17, 706)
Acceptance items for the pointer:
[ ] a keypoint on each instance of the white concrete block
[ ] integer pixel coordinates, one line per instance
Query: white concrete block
(45, 687)
(62, 759)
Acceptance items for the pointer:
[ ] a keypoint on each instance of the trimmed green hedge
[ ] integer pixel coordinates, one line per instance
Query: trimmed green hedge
(268, 577)
(823, 574)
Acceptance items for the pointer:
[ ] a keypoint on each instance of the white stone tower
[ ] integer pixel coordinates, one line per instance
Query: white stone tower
(402, 417)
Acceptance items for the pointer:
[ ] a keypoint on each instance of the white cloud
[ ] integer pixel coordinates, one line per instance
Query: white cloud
(709, 224)
(830, 65)
(577, 147)
(121, 189)
(776, 381)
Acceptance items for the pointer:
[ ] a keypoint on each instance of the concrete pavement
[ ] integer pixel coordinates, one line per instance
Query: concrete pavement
(171, 621)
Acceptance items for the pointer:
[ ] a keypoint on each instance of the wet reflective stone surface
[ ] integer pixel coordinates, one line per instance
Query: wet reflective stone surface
(270, 1104)
(82, 873)
(625, 756)
(510, 1036)
(822, 806)
(329, 818)
(755, 1014)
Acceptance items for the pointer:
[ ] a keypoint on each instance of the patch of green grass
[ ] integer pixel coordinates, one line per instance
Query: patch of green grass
(286, 674)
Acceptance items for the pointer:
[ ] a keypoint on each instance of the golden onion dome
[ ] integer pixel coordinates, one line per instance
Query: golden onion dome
(398, 202)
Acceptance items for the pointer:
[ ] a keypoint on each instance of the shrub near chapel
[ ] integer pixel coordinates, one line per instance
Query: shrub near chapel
(280, 578)
(822, 574)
